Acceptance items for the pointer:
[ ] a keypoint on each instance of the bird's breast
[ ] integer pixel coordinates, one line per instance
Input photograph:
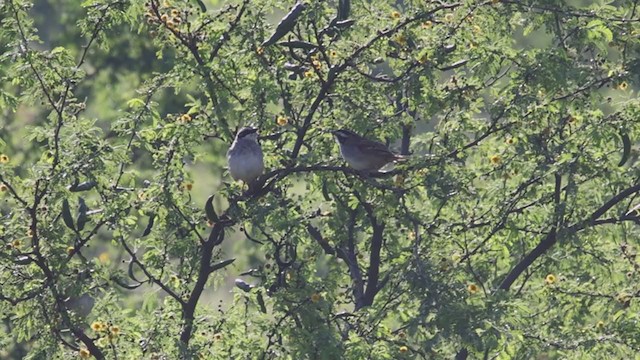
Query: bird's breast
(245, 165)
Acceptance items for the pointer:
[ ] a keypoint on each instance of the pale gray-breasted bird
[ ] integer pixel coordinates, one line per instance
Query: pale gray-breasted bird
(363, 154)
(245, 156)
(81, 305)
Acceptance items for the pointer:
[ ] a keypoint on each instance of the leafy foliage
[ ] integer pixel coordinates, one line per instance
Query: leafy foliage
(507, 233)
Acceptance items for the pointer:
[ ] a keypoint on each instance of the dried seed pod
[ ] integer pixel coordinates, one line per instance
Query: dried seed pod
(209, 211)
(66, 215)
(286, 24)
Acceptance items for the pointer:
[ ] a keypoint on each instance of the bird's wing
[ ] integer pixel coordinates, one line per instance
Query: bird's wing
(375, 147)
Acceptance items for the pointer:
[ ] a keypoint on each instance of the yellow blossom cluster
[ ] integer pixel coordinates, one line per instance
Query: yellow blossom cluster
(550, 279)
(282, 120)
(473, 288)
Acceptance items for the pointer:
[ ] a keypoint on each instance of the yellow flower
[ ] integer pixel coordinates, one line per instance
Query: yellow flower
(403, 349)
(84, 353)
(333, 53)
(260, 50)
(185, 118)
(472, 288)
(142, 195)
(317, 64)
(217, 336)
(448, 17)
(600, 325)
(495, 159)
(510, 141)
(16, 243)
(550, 279)
(96, 326)
(395, 14)
(30, 233)
(623, 85)
(426, 25)
(171, 24)
(164, 17)
(175, 12)
(282, 120)
(70, 249)
(104, 257)
(308, 73)
(476, 29)
(315, 297)
(114, 329)
(3, 188)
(4, 158)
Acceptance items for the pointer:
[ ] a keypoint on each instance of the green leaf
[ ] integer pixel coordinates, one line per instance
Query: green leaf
(135, 103)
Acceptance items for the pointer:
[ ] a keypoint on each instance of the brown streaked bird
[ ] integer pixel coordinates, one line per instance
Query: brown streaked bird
(363, 154)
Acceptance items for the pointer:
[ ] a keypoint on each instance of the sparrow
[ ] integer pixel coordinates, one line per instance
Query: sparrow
(244, 157)
(363, 154)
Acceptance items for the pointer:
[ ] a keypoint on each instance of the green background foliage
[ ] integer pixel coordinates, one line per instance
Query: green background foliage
(506, 234)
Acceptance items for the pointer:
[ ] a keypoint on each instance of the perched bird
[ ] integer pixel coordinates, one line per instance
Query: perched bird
(363, 154)
(80, 305)
(245, 156)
